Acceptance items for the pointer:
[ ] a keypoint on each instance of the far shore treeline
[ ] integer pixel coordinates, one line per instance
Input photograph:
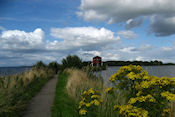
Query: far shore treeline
(123, 63)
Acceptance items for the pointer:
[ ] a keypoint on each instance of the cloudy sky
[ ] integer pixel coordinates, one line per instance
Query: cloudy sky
(49, 30)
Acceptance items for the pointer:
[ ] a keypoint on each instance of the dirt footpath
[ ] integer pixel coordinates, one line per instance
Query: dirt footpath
(40, 105)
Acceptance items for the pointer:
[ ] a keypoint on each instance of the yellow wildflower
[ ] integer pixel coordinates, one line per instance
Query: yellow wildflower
(165, 111)
(82, 103)
(96, 102)
(82, 112)
(168, 95)
(139, 93)
(88, 104)
(129, 111)
(115, 107)
(95, 96)
(91, 90)
(132, 100)
(112, 79)
(109, 90)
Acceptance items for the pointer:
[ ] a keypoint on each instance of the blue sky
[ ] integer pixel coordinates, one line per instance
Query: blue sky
(49, 30)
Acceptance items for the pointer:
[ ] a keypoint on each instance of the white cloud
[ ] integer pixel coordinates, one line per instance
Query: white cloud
(167, 48)
(89, 53)
(127, 34)
(16, 39)
(128, 49)
(132, 12)
(119, 10)
(141, 58)
(78, 37)
(91, 15)
(145, 47)
(25, 48)
(140, 49)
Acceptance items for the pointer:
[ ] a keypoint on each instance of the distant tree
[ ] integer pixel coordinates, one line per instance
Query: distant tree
(72, 62)
(39, 65)
(142, 63)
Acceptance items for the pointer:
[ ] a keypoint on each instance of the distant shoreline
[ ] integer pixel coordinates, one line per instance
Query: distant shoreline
(124, 63)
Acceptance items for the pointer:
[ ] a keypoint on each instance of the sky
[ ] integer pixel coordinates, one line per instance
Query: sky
(49, 30)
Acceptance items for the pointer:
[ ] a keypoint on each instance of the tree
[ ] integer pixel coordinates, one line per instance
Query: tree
(39, 65)
(72, 62)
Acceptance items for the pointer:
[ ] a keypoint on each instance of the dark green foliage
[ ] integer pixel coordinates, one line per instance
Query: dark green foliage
(72, 62)
(63, 105)
(54, 66)
(39, 65)
(142, 63)
(123, 63)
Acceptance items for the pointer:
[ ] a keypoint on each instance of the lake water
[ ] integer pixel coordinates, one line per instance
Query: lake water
(159, 71)
(4, 71)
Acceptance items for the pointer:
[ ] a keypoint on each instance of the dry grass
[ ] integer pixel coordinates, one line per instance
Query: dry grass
(172, 105)
(79, 81)
(21, 80)
(16, 90)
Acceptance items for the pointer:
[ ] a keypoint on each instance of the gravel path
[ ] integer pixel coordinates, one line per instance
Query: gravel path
(40, 105)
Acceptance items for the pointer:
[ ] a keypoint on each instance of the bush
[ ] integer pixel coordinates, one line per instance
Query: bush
(39, 65)
(142, 96)
(146, 95)
(72, 62)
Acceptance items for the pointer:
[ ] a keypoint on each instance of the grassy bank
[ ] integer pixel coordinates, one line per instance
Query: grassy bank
(69, 90)
(17, 90)
(63, 106)
(74, 99)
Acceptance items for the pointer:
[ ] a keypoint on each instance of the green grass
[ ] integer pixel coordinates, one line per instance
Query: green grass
(13, 100)
(63, 106)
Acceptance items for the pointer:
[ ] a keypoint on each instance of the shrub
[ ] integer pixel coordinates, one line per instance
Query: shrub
(146, 95)
(142, 95)
(39, 65)
(72, 62)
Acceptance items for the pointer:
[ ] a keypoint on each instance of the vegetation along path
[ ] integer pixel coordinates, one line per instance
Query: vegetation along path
(40, 105)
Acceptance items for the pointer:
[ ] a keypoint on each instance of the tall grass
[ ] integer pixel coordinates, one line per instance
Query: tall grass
(172, 105)
(16, 90)
(80, 81)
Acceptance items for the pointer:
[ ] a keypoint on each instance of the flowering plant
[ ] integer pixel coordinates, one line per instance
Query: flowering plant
(89, 101)
(147, 95)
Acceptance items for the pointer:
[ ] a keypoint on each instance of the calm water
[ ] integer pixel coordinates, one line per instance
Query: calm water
(4, 71)
(159, 71)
